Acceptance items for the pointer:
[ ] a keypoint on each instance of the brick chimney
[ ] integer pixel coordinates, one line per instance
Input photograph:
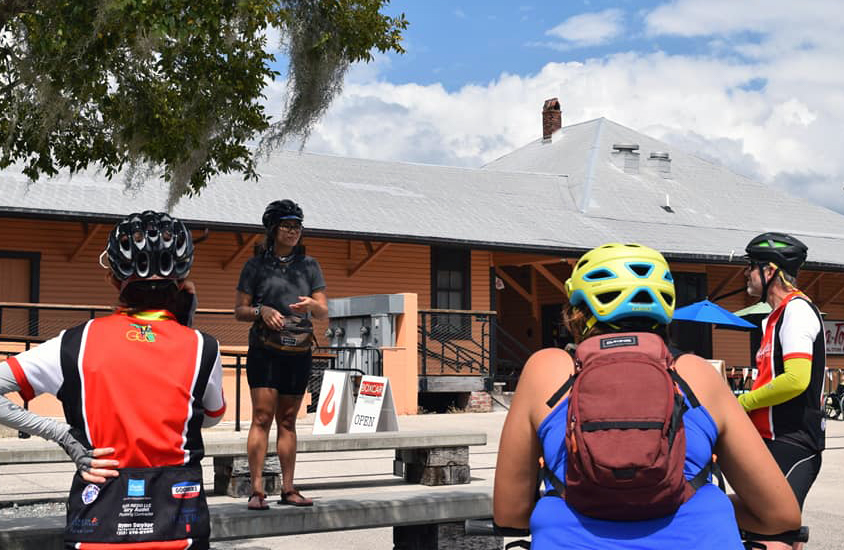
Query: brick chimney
(552, 118)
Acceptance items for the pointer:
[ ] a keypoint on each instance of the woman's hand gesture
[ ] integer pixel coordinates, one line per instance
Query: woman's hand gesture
(304, 305)
(272, 318)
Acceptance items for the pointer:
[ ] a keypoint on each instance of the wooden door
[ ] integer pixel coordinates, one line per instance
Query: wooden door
(14, 287)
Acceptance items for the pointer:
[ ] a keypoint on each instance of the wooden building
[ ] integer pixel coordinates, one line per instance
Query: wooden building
(501, 238)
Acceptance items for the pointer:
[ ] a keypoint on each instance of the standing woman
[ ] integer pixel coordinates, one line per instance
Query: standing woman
(279, 283)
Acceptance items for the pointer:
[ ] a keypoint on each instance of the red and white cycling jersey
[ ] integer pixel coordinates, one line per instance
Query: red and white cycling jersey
(143, 384)
(793, 330)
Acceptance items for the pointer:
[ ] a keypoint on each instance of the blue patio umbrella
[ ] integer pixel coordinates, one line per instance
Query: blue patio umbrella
(710, 312)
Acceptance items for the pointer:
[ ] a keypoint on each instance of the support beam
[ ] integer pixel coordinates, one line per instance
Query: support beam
(514, 284)
(371, 256)
(551, 278)
(723, 284)
(814, 279)
(202, 236)
(249, 243)
(829, 299)
(534, 303)
(89, 233)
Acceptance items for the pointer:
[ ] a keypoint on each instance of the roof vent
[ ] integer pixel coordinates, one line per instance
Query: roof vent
(625, 156)
(660, 161)
(621, 147)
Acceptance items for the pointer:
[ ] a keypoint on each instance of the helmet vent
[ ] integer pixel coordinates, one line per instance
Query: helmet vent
(668, 277)
(642, 297)
(599, 275)
(668, 298)
(165, 264)
(641, 270)
(607, 297)
(142, 264)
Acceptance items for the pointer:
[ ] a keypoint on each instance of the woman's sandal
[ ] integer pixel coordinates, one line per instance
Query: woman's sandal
(285, 499)
(258, 502)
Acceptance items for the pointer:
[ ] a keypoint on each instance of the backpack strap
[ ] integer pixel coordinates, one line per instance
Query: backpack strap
(559, 488)
(687, 390)
(552, 401)
(701, 478)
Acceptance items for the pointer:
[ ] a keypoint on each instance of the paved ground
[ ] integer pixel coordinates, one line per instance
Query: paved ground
(326, 475)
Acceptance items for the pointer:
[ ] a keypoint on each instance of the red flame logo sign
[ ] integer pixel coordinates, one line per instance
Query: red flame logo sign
(326, 412)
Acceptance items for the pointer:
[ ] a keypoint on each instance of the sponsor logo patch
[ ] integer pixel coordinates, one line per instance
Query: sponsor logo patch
(136, 488)
(185, 489)
(619, 342)
(80, 526)
(90, 493)
(140, 333)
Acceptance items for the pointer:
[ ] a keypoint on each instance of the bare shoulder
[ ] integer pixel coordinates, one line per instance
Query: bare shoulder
(706, 383)
(547, 364)
(542, 376)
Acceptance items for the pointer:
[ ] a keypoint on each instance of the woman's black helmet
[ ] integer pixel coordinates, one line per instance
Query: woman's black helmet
(148, 244)
(281, 210)
(781, 249)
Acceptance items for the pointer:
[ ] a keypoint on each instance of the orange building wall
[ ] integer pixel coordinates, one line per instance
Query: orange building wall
(400, 268)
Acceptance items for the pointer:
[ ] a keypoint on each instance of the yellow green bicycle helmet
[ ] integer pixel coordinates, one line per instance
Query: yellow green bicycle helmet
(618, 281)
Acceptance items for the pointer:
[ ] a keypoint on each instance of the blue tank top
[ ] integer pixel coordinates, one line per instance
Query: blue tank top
(706, 521)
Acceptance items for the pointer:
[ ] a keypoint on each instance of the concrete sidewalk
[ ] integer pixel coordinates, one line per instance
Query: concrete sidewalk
(331, 475)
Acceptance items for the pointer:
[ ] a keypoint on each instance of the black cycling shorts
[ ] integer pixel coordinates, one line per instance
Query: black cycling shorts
(287, 373)
(800, 466)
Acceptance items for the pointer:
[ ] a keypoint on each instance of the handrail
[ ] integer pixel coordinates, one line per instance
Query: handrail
(454, 347)
(501, 332)
(453, 362)
(451, 346)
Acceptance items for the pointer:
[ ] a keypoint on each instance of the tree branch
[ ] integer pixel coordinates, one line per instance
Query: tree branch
(9, 9)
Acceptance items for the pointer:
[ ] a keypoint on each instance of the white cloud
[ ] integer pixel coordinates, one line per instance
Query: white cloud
(460, 13)
(589, 29)
(785, 132)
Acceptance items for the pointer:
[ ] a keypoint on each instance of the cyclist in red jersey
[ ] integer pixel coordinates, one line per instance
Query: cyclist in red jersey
(785, 402)
(139, 480)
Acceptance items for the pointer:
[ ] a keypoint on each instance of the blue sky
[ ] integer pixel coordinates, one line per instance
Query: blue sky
(460, 43)
(757, 85)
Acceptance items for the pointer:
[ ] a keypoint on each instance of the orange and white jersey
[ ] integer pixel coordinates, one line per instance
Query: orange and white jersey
(141, 383)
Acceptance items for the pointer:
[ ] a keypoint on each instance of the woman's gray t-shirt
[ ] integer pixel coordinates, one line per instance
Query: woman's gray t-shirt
(273, 283)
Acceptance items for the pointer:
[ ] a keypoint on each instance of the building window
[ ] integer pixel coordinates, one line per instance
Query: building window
(451, 289)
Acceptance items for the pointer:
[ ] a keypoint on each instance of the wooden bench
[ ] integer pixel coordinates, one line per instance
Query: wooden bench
(425, 457)
(422, 520)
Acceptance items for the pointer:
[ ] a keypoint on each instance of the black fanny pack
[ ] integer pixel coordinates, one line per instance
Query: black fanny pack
(140, 505)
(297, 335)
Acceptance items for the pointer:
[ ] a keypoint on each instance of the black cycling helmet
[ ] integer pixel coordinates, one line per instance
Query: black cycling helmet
(149, 244)
(281, 210)
(781, 249)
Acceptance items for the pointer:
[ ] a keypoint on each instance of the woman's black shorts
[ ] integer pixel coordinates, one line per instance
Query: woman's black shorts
(285, 372)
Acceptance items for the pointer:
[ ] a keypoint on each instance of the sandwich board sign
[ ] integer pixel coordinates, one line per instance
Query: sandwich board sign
(375, 410)
(334, 410)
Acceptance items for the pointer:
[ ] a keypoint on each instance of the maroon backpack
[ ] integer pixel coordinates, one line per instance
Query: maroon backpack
(625, 439)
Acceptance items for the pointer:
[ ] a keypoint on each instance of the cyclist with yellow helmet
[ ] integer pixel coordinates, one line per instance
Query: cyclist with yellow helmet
(628, 288)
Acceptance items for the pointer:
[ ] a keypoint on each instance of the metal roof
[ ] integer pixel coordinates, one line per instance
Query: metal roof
(713, 211)
(560, 196)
